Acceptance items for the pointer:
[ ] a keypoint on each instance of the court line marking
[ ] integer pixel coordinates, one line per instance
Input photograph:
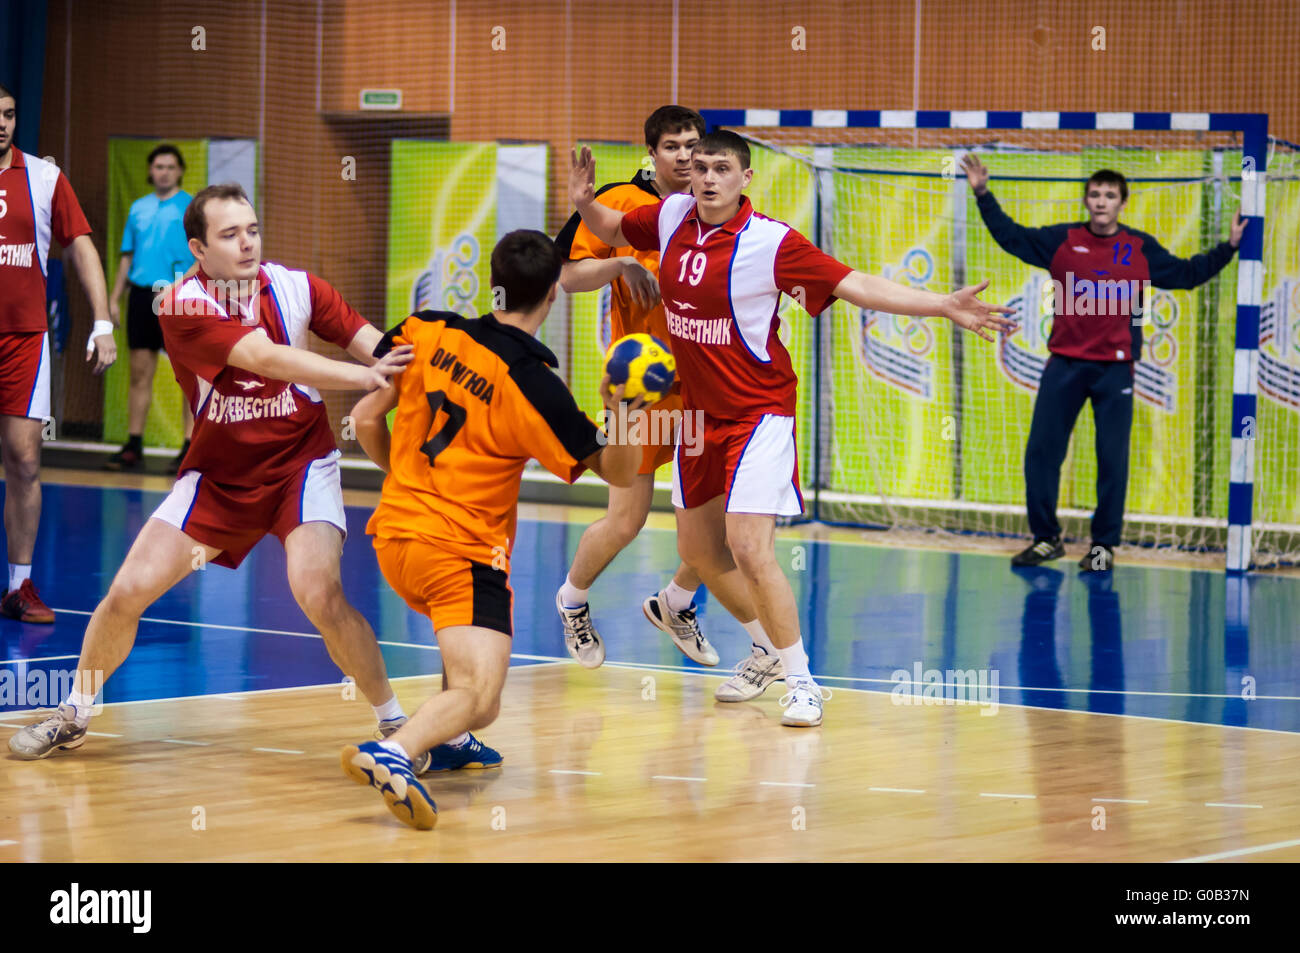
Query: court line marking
(592, 774)
(671, 668)
(1227, 804)
(1117, 800)
(1027, 797)
(8, 843)
(899, 790)
(673, 777)
(651, 667)
(44, 658)
(238, 696)
(279, 750)
(1241, 852)
(102, 734)
(786, 784)
(182, 741)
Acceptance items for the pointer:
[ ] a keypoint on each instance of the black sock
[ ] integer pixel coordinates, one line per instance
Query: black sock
(135, 442)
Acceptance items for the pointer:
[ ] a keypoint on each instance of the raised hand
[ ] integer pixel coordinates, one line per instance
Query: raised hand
(964, 309)
(977, 173)
(582, 177)
(1236, 230)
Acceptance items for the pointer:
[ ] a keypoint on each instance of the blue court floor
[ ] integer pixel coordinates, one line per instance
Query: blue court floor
(1142, 641)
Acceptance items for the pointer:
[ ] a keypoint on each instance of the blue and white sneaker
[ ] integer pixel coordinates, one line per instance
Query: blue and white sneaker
(472, 754)
(420, 763)
(390, 774)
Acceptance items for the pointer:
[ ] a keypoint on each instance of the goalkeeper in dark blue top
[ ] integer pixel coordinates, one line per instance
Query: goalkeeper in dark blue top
(1099, 270)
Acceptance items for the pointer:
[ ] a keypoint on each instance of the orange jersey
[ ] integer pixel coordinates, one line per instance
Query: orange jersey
(576, 242)
(476, 403)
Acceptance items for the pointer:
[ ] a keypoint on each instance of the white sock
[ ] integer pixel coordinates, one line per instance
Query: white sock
(795, 661)
(389, 710)
(17, 574)
(460, 739)
(762, 644)
(395, 748)
(571, 596)
(678, 598)
(81, 705)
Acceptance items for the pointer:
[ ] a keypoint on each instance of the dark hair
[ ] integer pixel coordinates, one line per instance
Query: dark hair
(722, 141)
(670, 119)
(196, 215)
(7, 93)
(525, 266)
(1108, 177)
(165, 150)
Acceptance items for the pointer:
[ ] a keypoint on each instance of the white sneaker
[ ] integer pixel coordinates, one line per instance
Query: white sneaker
(752, 677)
(681, 627)
(803, 703)
(580, 638)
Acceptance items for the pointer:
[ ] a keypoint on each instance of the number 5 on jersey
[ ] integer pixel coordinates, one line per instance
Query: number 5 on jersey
(438, 440)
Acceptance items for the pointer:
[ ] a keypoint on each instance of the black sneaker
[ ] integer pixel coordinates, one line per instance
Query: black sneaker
(175, 466)
(1098, 558)
(128, 458)
(1040, 551)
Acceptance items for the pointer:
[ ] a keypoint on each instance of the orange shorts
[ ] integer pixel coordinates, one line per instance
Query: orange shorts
(656, 454)
(448, 588)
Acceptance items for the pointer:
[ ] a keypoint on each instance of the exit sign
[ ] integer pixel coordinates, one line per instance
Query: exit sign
(381, 99)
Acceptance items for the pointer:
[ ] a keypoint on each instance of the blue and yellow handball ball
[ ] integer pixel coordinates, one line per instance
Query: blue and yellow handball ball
(644, 364)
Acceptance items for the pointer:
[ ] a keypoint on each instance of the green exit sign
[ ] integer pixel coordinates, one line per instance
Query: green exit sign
(381, 99)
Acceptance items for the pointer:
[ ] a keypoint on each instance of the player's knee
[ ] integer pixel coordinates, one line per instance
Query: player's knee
(487, 708)
(752, 556)
(318, 598)
(128, 595)
(23, 465)
(625, 527)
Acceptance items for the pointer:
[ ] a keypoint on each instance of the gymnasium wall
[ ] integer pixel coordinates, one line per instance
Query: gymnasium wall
(288, 73)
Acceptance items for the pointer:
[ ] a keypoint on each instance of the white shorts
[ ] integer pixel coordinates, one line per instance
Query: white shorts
(754, 462)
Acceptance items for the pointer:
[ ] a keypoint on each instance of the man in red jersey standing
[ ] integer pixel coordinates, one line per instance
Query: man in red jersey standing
(36, 205)
(723, 269)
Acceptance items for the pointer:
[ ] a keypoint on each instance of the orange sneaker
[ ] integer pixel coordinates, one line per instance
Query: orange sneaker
(25, 605)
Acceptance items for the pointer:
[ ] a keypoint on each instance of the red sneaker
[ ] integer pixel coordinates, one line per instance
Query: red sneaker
(25, 605)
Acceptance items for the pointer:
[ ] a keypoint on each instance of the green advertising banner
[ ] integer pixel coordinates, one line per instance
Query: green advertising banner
(891, 376)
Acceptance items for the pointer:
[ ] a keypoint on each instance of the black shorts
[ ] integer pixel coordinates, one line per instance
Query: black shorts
(143, 333)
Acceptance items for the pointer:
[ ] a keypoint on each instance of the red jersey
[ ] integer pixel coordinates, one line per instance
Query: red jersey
(250, 430)
(721, 285)
(36, 204)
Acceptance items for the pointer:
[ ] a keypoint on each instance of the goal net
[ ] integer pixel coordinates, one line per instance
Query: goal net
(909, 424)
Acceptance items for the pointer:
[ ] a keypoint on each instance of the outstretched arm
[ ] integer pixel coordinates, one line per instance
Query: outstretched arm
(257, 353)
(1033, 246)
(963, 308)
(1170, 271)
(601, 219)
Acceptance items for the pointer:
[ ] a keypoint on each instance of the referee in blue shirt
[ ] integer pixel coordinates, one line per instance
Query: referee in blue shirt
(154, 248)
